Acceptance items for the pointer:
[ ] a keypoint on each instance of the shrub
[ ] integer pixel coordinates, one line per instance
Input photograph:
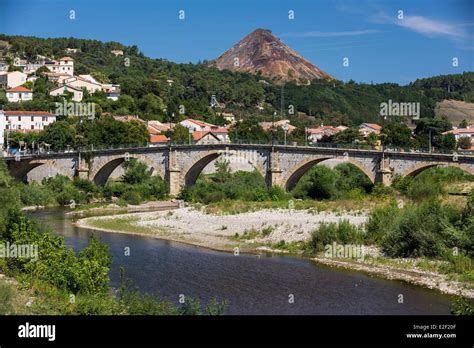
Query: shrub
(343, 232)
(420, 230)
(381, 221)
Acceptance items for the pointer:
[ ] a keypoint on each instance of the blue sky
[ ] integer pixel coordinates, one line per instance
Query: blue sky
(380, 46)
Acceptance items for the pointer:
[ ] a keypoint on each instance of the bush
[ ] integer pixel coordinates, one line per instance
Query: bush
(343, 232)
(132, 197)
(421, 230)
(36, 194)
(381, 221)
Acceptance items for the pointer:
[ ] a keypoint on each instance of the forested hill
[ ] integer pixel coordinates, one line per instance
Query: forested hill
(151, 85)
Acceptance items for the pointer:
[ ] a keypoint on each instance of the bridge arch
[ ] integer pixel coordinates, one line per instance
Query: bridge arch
(191, 172)
(102, 170)
(292, 177)
(421, 167)
(20, 170)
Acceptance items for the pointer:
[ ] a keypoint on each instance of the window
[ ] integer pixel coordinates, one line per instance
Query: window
(19, 118)
(32, 118)
(32, 127)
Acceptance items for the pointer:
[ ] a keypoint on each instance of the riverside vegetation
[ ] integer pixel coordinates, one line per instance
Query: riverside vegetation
(431, 229)
(61, 282)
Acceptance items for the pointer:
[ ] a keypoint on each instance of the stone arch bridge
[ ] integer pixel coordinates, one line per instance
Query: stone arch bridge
(283, 166)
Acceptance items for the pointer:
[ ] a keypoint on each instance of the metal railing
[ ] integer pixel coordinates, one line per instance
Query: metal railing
(42, 152)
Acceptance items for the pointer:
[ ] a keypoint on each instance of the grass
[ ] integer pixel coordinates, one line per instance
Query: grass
(232, 207)
(123, 224)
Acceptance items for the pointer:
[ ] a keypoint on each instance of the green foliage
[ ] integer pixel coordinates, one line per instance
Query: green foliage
(430, 183)
(462, 306)
(342, 233)
(180, 134)
(421, 230)
(397, 135)
(246, 186)
(321, 182)
(135, 172)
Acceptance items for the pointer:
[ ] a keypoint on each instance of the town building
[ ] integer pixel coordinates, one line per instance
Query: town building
(77, 93)
(459, 133)
(23, 121)
(205, 137)
(12, 79)
(19, 94)
(316, 134)
(366, 128)
(284, 124)
(79, 82)
(65, 65)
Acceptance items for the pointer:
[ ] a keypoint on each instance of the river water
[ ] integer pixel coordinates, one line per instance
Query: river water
(251, 284)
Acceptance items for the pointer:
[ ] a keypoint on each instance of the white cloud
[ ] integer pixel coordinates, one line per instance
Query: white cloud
(328, 33)
(431, 27)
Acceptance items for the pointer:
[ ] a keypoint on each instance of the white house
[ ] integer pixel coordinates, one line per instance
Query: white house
(79, 82)
(12, 79)
(196, 125)
(117, 52)
(205, 137)
(459, 133)
(19, 94)
(23, 121)
(78, 94)
(316, 134)
(112, 91)
(366, 128)
(65, 65)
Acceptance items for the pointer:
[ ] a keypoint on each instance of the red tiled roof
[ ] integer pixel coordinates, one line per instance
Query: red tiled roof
(158, 138)
(19, 89)
(372, 125)
(28, 113)
(200, 123)
(461, 131)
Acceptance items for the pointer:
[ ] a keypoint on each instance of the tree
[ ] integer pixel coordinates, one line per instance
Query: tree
(135, 172)
(222, 169)
(463, 124)
(180, 134)
(464, 143)
(347, 136)
(59, 135)
(248, 130)
(397, 135)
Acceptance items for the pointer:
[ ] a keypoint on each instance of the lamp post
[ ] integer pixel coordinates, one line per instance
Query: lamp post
(8, 136)
(190, 131)
(273, 129)
(285, 129)
(305, 136)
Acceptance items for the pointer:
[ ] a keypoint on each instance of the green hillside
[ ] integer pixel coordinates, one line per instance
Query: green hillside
(147, 91)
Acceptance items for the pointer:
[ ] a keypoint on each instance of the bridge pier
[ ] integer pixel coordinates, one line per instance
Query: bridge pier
(274, 172)
(175, 182)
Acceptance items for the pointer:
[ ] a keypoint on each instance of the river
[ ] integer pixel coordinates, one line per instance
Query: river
(251, 284)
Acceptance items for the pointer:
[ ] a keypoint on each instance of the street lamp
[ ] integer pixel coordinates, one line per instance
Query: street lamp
(273, 129)
(285, 129)
(190, 131)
